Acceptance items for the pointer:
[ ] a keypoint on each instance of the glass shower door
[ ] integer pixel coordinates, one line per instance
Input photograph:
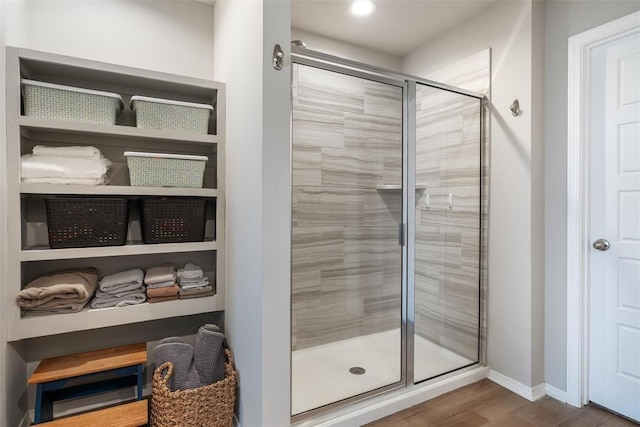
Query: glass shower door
(347, 149)
(447, 232)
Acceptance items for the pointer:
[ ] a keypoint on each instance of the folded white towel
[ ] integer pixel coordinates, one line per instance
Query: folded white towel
(158, 285)
(190, 271)
(166, 273)
(85, 152)
(195, 286)
(62, 167)
(67, 181)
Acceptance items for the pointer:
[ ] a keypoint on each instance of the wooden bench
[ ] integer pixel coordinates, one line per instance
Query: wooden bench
(124, 366)
(132, 414)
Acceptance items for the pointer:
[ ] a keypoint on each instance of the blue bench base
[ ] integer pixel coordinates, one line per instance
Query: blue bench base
(52, 391)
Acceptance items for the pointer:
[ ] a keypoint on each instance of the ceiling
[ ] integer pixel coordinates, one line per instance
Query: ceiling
(397, 27)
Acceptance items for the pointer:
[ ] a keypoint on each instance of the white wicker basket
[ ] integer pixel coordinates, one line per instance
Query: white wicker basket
(164, 114)
(165, 170)
(52, 101)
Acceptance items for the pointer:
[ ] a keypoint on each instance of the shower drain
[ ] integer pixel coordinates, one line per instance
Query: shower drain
(357, 370)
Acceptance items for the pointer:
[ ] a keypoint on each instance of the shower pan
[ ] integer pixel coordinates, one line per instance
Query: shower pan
(387, 195)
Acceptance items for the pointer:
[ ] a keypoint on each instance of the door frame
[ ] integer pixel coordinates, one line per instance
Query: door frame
(578, 199)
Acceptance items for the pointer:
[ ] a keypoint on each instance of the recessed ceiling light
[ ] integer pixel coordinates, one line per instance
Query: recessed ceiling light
(362, 7)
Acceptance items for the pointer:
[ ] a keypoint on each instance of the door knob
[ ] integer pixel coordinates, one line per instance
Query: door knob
(601, 245)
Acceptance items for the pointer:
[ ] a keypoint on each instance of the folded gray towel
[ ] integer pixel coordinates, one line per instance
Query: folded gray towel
(120, 293)
(113, 301)
(124, 288)
(122, 280)
(208, 349)
(160, 274)
(184, 375)
(171, 339)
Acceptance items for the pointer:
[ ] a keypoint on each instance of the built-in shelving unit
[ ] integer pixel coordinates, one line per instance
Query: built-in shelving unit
(28, 252)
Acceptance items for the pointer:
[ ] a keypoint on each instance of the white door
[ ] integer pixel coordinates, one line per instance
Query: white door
(614, 126)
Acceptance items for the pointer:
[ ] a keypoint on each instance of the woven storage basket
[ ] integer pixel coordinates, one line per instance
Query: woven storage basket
(51, 101)
(173, 220)
(74, 222)
(165, 114)
(208, 406)
(165, 170)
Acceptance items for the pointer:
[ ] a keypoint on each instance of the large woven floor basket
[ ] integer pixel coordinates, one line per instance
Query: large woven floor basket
(208, 406)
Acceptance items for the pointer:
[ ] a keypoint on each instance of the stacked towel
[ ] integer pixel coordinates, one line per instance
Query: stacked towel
(64, 165)
(61, 292)
(193, 282)
(161, 284)
(194, 366)
(120, 289)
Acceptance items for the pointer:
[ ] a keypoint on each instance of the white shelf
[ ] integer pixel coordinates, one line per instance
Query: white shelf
(117, 133)
(46, 254)
(87, 319)
(116, 190)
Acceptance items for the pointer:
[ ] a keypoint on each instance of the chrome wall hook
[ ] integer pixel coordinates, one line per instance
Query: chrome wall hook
(515, 108)
(278, 57)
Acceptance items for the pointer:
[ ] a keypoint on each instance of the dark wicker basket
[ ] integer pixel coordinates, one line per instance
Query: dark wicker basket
(85, 222)
(208, 406)
(170, 220)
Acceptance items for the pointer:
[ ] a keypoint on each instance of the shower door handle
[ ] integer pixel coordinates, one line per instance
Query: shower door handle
(402, 238)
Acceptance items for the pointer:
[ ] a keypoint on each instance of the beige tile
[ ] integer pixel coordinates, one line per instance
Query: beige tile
(329, 90)
(306, 170)
(383, 100)
(318, 128)
(381, 135)
(351, 168)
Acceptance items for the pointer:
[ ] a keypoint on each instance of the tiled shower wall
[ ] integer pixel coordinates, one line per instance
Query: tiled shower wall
(447, 260)
(452, 267)
(346, 257)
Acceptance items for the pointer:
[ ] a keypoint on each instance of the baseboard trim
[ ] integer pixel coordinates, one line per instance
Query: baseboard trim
(529, 393)
(383, 406)
(556, 393)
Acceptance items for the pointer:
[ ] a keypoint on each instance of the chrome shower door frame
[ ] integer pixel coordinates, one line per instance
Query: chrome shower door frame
(408, 84)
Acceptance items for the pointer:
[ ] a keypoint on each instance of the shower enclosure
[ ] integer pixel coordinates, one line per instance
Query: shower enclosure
(386, 231)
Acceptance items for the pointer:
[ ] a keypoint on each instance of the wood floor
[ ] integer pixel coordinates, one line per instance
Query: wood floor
(487, 404)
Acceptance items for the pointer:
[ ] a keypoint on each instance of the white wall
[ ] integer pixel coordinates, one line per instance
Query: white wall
(537, 193)
(276, 219)
(170, 36)
(516, 200)
(238, 28)
(3, 248)
(563, 20)
(347, 50)
(258, 202)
